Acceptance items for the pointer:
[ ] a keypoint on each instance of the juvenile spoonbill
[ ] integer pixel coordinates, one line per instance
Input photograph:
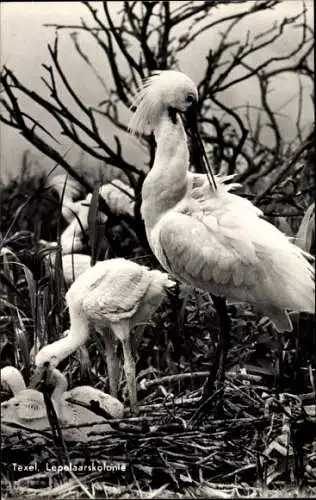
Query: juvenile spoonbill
(71, 239)
(70, 190)
(73, 264)
(118, 196)
(11, 379)
(203, 234)
(74, 415)
(28, 408)
(113, 296)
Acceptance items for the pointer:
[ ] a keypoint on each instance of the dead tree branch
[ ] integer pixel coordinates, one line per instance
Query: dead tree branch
(145, 36)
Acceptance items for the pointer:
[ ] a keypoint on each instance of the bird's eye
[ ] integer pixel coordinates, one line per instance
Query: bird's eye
(190, 98)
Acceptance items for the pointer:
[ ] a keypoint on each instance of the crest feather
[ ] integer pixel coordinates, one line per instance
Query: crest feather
(149, 100)
(145, 105)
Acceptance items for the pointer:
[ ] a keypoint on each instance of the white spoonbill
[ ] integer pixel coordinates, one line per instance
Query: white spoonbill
(119, 197)
(113, 296)
(71, 239)
(73, 264)
(75, 415)
(71, 191)
(11, 379)
(203, 234)
(27, 407)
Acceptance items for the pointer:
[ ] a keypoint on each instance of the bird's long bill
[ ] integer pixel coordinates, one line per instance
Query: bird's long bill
(39, 377)
(191, 122)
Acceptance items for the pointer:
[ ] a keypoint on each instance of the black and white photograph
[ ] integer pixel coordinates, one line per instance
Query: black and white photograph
(157, 249)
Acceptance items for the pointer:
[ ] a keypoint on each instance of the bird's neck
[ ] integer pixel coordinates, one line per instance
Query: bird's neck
(17, 386)
(77, 336)
(60, 388)
(166, 183)
(79, 331)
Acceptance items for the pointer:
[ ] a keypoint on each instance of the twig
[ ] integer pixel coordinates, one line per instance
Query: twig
(146, 384)
(292, 161)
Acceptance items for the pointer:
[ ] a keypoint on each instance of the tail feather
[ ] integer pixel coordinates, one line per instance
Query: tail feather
(280, 319)
(289, 278)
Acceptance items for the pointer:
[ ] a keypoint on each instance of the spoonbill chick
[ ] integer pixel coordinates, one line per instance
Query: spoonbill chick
(118, 196)
(71, 239)
(113, 296)
(203, 234)
(70, 190)
(73, 265)
(12, 380)
(72, 414)
(27, 407)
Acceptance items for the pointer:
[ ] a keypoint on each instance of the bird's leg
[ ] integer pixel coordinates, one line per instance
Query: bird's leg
(122, 331)
(112, 361)
(217, 373)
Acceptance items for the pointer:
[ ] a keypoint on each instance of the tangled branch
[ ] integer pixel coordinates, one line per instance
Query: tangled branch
(144, 36)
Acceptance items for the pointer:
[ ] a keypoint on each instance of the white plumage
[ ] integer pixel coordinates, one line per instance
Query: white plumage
(74, 265)
(71, 414)
(116, 294)
(212, 239)
(119, 197)
(305, 237)
(28, 408)
(71, 190)
(71, 239)
(11, 379)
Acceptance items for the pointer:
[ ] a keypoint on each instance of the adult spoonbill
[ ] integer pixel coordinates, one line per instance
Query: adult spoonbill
(113, 296)
(203, 234)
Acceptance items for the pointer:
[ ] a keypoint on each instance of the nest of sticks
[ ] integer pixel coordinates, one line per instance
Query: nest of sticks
(264, 446)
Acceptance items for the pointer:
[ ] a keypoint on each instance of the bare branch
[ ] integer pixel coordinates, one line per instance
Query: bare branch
(263, 83)
(292, 161)
(145, 36)
(74, 38)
